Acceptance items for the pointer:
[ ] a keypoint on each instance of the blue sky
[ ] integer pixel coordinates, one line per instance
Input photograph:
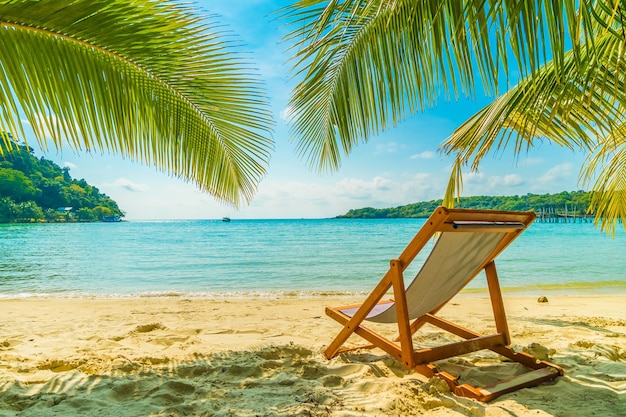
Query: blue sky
(400, 166)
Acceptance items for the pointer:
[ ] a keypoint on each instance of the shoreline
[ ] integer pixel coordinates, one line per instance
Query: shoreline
(567, 289)
(245, 357)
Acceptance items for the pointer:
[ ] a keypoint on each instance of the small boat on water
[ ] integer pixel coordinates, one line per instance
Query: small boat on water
(226, 219)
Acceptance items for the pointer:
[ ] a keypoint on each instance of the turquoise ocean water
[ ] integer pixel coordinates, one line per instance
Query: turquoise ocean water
(256, 258)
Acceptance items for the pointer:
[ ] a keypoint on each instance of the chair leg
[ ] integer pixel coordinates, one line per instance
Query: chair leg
(402, 314)
(497, 304)
(356, 320)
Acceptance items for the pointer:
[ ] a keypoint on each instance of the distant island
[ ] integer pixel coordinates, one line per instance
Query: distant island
(573, 203)
(38, 190)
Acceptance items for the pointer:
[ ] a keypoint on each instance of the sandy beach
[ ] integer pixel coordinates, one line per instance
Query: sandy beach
(263, 357)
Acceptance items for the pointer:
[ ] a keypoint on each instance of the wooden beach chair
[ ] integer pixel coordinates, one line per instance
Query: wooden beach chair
(467, 242)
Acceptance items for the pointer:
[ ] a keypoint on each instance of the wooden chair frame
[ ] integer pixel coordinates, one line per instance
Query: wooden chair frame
(446, 221)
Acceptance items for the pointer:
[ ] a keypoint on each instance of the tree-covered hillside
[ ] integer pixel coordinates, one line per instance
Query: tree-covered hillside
(33, 190)
(575, 202)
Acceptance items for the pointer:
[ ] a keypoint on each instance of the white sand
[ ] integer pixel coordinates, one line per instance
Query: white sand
(192, 357)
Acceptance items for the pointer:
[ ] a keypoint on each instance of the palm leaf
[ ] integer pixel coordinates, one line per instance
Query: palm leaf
(146, 79)
(580, 110)
(366, 65)
(608, 160)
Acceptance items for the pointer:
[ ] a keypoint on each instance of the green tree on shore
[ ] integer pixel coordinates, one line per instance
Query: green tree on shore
(147, 79)
(15, 184)
(367, 64)
(25, 191)
(575, 203)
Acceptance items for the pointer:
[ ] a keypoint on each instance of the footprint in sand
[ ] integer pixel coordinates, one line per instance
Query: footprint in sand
(146, 328)
(123, 390)
(172, 392)
(538, 351)
(58, 366)
(179, 387)
(5, 345)
(242, 371)
(310, 372)
(272, 364)
(143, 328)
(332, 381)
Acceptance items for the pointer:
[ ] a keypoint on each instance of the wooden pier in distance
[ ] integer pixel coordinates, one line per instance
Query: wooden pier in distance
(552, 215)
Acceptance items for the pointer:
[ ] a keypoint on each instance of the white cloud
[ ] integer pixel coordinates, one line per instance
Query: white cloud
(286, 113)
(493, 181)
(357, 188)
(70, 165)
(474, 177)
(533, 161)
(422, 187)
(305, 199)
(276, 198)
(556, 179)
(477, 183)
(390, 147)
(424, 155)
(512, 180)
(129, 185)
(556, 174)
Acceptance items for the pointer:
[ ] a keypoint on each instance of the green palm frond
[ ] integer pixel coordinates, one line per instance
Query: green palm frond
(579, 110)
(367, 64)
(364, 65)
(146, 79)
(562, 105)
(608, 160)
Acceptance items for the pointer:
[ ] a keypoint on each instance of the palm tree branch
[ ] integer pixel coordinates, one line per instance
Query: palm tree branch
(605, 171)
(566, 107)
(115, 56)
(146, 79)
(366, 65)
